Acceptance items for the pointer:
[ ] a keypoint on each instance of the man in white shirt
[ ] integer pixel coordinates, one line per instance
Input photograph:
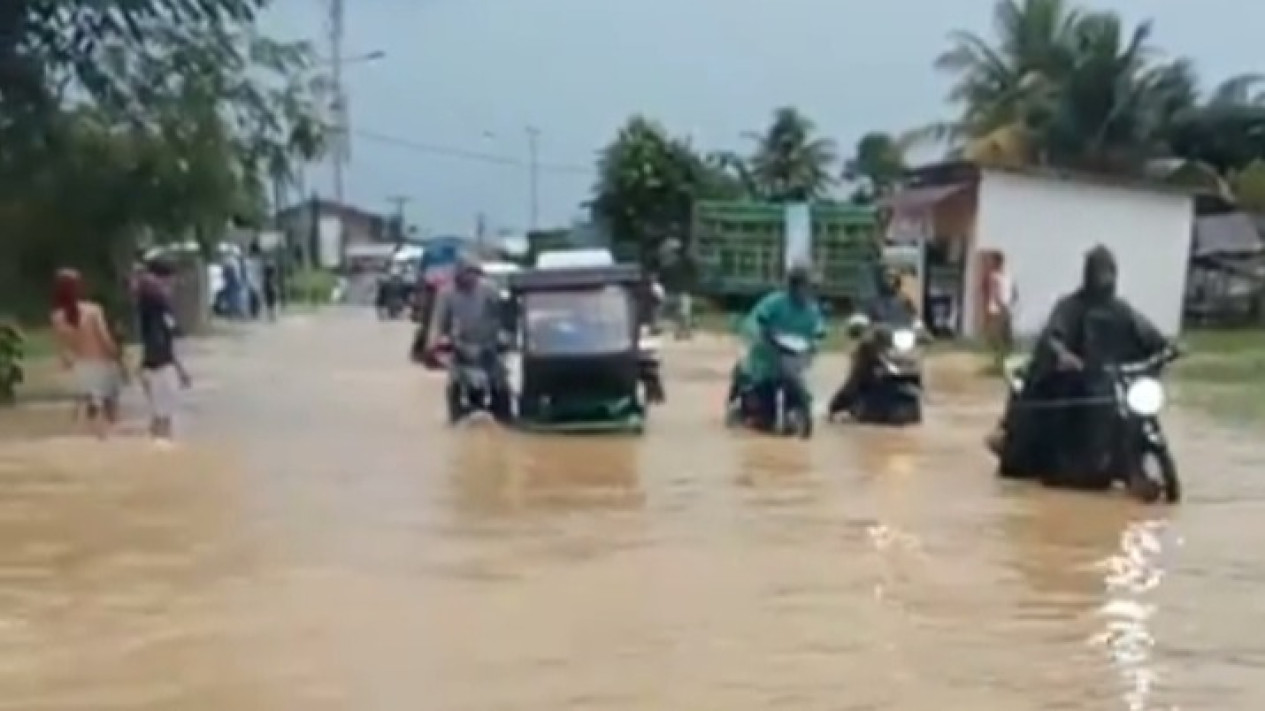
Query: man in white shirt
(1002, 297)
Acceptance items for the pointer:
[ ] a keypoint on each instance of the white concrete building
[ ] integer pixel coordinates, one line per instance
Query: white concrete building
(1044, 222)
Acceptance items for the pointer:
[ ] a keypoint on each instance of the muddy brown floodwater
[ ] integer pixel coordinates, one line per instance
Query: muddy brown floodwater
(323, 541)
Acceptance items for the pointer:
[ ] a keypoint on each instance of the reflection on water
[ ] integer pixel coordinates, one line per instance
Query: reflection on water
(769, 463)
(1093, 566)
(496, 472)
(327, 542)
(1131, 575)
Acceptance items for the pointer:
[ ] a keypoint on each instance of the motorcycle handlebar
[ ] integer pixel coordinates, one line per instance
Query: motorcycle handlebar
(1155, 362)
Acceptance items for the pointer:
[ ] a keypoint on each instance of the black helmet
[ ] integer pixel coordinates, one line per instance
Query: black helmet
(799, 275)
(467, 264)
(160, 266)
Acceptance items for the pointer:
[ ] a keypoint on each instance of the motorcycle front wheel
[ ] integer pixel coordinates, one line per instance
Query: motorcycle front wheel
(1157, 476)
(798, 424)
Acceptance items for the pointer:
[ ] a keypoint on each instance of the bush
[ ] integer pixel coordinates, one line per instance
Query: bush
(311, 286)
(12, 353)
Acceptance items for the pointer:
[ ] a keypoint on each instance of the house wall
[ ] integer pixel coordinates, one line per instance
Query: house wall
(1044, 227)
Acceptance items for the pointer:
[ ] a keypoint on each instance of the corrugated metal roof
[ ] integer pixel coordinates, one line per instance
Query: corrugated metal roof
(1232, 233)
(918, 198)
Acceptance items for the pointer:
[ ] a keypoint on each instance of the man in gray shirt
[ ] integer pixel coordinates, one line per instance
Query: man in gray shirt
(469, 314)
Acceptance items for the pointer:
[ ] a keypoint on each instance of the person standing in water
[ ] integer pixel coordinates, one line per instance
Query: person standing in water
(162, 373)
(271, 288)
(88, 350)
(1002, 297)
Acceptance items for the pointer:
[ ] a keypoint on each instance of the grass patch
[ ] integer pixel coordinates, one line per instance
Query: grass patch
(1223, 357)
(1224, 372)
(38, 343)
(311, 286)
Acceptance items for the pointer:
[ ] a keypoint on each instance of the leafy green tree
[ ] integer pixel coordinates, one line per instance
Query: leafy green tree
(877, 164)
(1248, 185)
(791, 162)
(648, 181)
(163, 120)
(730, 176)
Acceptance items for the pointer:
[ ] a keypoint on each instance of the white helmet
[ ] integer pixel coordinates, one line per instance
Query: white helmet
(857, 324)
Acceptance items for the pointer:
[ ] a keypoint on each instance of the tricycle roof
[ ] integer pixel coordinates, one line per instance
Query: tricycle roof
(571, 278)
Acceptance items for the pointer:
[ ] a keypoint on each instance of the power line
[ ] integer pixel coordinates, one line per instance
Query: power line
(474, 156)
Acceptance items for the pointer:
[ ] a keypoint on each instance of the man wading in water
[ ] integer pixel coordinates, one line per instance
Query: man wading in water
(162, 373)
(88, 351)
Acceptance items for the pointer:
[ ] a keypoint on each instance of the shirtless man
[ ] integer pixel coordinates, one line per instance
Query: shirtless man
(88, 350)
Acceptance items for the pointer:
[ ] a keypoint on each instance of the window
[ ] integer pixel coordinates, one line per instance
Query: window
(589, 322)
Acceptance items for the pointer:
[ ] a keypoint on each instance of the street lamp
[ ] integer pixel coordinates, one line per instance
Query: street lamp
(338, 108)
(373, 56)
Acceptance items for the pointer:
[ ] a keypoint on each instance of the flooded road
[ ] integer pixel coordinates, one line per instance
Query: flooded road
(321, 540)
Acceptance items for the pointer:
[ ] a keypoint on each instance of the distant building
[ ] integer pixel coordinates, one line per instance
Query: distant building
(343, 225)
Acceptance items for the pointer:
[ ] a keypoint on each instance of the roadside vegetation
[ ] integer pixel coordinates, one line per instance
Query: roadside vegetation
(125, 125)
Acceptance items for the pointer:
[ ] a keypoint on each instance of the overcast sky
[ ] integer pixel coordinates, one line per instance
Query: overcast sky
(471, 75)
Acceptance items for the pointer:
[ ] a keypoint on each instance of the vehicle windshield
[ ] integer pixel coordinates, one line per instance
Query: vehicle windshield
(499, 281)
(589, 322)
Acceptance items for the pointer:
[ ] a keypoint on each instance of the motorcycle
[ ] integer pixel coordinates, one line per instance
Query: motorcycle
(649, 366)
(1140, 454)
(788, 414)
(392, 306)
(392, 299)
(893, 393)
(471, 390)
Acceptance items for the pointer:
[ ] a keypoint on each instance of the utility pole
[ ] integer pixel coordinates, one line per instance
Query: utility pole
(533, 139)
(340, 114)
(480, 231)
(399, 201)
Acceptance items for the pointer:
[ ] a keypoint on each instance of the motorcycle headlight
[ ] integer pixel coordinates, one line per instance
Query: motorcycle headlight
(1145, 397)
(904, 340)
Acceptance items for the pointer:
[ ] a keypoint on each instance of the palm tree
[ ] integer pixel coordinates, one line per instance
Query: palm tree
(790, 162)
(1107, 109)
(877, 163)
(1080, 89)
(997, 83)
(1227, 130)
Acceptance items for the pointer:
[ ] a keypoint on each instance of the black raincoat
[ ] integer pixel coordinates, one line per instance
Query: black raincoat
(890, 308)
(1065, 445)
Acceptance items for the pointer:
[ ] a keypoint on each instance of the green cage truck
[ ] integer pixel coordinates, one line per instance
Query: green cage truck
(740, 249)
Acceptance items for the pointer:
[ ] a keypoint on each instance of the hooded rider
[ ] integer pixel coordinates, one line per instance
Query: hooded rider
(1088, 330)
(889, 307)
(792, 311)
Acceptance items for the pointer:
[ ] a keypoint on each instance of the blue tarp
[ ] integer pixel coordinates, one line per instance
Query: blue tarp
(439, 257)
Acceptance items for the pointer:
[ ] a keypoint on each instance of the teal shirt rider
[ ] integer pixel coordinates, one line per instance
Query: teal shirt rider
(782, 311)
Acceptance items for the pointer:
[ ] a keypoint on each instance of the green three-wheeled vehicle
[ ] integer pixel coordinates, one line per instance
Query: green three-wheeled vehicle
(583, 364)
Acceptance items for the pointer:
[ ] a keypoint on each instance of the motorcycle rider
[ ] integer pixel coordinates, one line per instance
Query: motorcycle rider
(792, 311)
(469, 314)
(889, 306)
(392, 290)
(1088, 330)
